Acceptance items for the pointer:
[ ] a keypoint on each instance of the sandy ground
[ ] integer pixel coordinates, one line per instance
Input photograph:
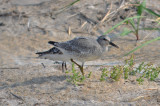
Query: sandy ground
(23, 79)
(35, 85)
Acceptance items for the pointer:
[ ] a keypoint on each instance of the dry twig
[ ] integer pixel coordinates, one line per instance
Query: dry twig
(69, 31)
(107, 14)
(18, 97)
(10, 68)
(43, 65)
(83, 24)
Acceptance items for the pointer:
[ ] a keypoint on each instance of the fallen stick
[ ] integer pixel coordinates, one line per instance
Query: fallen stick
(10, 68)
(18, 97)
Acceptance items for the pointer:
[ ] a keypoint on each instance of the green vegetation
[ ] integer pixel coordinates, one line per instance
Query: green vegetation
(75, 76)
(116, 73)
(67, 6)
(104, 74)
(135, 21)
(89, 75)
(144, 70)
(133, 24)
(136, 24)
(142, 45)
(140, 9)
(148, 71)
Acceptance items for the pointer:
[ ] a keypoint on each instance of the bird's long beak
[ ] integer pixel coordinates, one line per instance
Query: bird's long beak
(111, 43)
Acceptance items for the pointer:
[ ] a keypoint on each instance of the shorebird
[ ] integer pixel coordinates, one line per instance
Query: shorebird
(84, 49)
(56, 55)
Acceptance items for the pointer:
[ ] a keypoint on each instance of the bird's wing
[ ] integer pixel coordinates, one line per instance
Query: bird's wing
(53, 50)
(79, 45)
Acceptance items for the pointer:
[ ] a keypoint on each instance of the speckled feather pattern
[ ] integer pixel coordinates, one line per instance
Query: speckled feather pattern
(53, 54)
(82, 48)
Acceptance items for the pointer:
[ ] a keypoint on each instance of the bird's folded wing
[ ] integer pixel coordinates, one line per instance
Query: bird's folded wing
(53, 50)
(79, 45)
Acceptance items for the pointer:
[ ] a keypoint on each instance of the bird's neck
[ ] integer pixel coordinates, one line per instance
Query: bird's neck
(103, 46)
(104, 49)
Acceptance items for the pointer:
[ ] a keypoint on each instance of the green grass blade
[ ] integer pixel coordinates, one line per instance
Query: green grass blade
(139, 13)
(150, 29)
(151, 12)
(125, 32)
(120, 23)
(69, 5)
(148, 42)
(141, 7)
(132, 24)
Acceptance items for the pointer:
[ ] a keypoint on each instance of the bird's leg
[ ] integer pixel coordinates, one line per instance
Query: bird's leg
(63, 63)
(75, 63)
(80, 67)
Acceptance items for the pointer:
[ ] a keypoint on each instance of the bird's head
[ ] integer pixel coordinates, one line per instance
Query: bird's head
(105, 41)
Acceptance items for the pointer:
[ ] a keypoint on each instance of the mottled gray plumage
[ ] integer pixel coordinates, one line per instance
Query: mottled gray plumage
(84, 48)
(53, 50)
(54, 54)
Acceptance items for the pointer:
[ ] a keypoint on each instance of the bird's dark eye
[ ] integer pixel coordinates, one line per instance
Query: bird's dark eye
(104, 39)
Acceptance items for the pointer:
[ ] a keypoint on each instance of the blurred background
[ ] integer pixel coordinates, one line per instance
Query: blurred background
(27, 26)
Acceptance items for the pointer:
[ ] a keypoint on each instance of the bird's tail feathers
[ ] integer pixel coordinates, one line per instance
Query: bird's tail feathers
(42, 53)
(39, 53)
(52, 42)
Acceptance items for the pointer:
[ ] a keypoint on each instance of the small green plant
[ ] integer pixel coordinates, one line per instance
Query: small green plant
(116, 73)
(140, 80)
(135, 23)
(148, 71)
(126, 72)
(104, 74)
(155, 73)
(89, 75)
(140, 67)
(75, 76)
(144, 70)
(128, 67)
